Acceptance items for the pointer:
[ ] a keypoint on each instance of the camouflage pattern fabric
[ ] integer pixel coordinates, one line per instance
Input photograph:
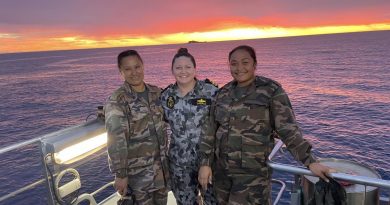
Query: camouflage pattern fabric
(186, 188)
(238, 189)
(186, 115)
(241, 133)
(159, 197)
(137, 140)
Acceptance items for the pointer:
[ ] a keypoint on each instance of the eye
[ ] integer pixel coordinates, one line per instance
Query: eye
(233, 63)
(245, 63)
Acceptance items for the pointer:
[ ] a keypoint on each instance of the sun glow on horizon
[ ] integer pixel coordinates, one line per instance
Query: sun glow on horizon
(13, 43)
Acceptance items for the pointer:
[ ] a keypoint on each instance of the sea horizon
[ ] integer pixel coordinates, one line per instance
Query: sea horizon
(338, 85)
(137, 46)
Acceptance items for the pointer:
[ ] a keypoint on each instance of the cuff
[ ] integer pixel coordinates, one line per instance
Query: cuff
(204, 161)
(309, 160)
(121, 173)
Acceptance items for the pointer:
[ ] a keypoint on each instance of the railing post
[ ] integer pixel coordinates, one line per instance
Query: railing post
(50, 196)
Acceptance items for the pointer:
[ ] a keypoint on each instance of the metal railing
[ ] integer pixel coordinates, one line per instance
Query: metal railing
(299, 171)
(341, 176)
(30, 186)
(274, 165)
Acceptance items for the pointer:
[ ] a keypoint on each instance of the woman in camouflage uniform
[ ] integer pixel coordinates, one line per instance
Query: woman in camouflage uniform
(247, 113)
(137, 140)
(186, 105)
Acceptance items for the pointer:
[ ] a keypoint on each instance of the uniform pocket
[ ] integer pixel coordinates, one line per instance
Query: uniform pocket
(257, 110)
(254, 151)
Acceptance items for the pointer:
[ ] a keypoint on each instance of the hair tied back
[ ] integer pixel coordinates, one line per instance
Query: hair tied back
(182, 51)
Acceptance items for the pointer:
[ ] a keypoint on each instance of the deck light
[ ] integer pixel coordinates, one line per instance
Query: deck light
(81, 149)
(75, 143)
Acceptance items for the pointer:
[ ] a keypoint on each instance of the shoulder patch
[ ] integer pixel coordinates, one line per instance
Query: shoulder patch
(166, 88)
(211, 82)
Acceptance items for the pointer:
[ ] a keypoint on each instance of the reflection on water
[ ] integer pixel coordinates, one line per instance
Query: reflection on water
(338, 84)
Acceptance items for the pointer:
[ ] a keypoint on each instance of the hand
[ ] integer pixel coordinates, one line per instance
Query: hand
(321, 171)
(204, 176)
(120, 185)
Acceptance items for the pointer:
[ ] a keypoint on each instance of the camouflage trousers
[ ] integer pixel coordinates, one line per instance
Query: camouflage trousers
(158, 197)
(238, 189)
(186, 189)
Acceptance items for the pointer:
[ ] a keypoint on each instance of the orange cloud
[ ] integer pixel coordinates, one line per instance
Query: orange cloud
(82, 24)
(15, 43)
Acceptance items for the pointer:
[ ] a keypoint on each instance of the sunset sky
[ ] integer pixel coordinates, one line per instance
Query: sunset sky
(34, 25)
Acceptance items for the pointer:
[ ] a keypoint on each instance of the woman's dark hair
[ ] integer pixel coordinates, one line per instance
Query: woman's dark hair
(127, 53)
(246, 48)
(183, 52)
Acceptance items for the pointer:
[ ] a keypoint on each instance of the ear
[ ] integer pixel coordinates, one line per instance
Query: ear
(121, 72)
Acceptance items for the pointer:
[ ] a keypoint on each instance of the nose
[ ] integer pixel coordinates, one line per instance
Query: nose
(237, 67)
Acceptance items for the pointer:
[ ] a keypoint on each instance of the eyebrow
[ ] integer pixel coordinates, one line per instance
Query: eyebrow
(241, 59)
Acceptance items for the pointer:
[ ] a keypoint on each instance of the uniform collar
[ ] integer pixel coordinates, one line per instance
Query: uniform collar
(249, 88)
(195, 91)
(128, 88)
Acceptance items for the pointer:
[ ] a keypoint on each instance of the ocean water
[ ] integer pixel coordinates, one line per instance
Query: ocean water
(338, 85)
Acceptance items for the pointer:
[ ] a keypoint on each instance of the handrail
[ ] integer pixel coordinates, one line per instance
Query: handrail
(341, 176)
(21, 190)
(19, 145)
(276, 166)
(277, 199)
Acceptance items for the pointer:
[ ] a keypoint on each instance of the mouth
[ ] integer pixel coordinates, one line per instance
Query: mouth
(135, 78)
(239, 73)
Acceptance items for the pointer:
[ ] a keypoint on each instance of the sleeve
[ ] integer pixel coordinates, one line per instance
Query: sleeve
(117, 131)
(287, 128)
(207, 145)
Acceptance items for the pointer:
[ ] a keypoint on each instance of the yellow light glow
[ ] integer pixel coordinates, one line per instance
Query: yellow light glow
(14, 42)
(81, 149)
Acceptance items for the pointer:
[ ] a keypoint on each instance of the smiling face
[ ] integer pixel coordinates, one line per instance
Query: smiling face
(183, 70)
(132, 70)
(242, 67)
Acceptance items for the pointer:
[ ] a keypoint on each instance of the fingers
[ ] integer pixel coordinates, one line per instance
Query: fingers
(322, 175)
(120, 190)
(203, 182)
(330, 171)
(204, 176)
(320, 170)
(124, 191)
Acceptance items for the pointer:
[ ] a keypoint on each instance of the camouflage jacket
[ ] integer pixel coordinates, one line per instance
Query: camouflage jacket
(186, 115)
(137, 140)
(241, 129)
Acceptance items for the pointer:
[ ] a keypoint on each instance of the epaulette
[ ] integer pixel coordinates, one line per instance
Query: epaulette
(275, 84)
(154, 88)
(117, 94)
(261, 80)
(211, 82)
(166, 88)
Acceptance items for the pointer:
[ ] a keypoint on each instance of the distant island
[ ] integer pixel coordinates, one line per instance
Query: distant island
(196, 41)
